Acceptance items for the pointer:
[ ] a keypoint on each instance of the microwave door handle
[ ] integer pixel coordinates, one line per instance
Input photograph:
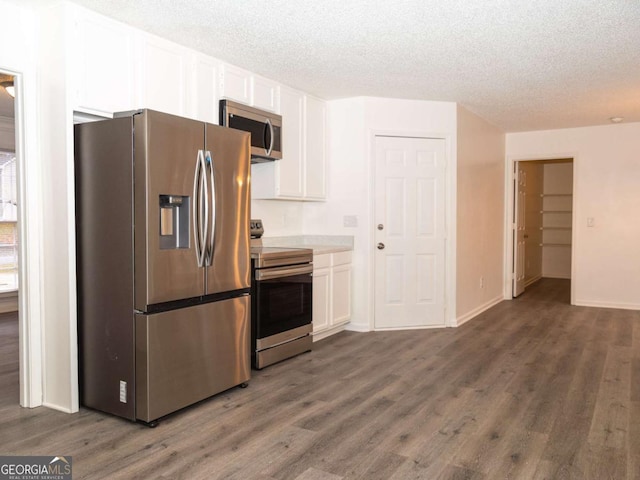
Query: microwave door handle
(270, 136)
(211, 246)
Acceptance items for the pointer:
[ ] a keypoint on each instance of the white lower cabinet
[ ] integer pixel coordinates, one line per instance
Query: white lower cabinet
(331, 293)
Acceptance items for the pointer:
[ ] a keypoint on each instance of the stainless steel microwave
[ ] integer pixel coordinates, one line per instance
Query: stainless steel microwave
(265, 128)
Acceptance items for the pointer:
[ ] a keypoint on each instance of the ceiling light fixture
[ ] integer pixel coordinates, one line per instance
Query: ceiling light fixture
(9, 87)
(616, 119)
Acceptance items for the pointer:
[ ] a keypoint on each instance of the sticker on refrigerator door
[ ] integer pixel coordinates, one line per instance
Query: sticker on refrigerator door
(123, 391)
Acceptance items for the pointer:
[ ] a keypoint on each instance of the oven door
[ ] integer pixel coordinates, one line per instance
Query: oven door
(282, 299)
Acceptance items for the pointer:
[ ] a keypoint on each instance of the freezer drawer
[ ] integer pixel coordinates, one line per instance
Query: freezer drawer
(186, 355)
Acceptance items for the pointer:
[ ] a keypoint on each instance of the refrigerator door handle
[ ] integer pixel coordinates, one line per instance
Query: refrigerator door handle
(211, 246)
(200, 208)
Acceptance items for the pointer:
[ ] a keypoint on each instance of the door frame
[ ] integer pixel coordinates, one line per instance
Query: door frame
(30, 243)
(449, 218)
(508, 218)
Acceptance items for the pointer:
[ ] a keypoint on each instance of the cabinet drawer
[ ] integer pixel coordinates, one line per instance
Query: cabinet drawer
(321, 261)
(341, 258)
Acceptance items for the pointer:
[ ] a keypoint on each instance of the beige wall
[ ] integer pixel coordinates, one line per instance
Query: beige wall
(606, 270)
(480, 215)
(7, 134)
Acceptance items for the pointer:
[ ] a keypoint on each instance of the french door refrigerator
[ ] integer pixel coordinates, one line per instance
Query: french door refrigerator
(163, 268)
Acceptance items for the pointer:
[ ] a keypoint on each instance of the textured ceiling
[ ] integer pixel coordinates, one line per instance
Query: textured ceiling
(531, 65)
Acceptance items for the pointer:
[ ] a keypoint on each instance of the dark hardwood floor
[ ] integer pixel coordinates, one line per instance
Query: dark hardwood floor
(531, 389)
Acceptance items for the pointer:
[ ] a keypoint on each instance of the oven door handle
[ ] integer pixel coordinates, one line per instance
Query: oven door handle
(271, 273)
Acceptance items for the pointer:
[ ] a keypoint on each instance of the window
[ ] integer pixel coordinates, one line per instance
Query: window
(8, 226)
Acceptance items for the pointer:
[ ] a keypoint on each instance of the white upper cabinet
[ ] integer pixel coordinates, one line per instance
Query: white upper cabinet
(203, 97)
(265, 94)
(163, 68)
(284, 178)
(291, 167)
(245, 87)
(301, 173)
(315, 114)
(235, 84)
(103, 79)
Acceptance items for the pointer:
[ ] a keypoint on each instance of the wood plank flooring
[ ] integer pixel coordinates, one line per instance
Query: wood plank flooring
(531, 389)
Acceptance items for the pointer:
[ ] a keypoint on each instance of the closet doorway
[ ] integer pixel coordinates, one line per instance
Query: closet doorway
(543, 219)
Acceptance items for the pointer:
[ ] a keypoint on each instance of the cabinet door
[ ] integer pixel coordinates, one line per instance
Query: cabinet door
(321, 298)
(314, 141)
(265, 94)
(289, 169)
(203, 99)
(235, 84)
(103, 65)
(163, 76)
(341, 290)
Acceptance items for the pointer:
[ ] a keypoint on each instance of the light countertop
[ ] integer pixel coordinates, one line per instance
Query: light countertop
(320, 244)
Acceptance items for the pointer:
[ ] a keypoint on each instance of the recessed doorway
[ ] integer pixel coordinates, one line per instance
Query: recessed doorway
(542, 225)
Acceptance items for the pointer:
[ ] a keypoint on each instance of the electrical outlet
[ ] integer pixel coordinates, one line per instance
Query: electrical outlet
(591, 222)
(481, 282)
(350, 221)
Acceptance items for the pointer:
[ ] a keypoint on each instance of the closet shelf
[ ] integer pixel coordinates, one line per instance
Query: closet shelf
(555, 228)
(556, 195)
(555, 244)
(556, 211)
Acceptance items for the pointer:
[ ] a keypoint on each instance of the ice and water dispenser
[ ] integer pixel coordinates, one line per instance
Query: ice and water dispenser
(174, 222)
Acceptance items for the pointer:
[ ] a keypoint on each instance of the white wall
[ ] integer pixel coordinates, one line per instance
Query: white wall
(17, 56)
(480, 215)
(60, 357)
(606, 270)
(279, 217)
(352, 124)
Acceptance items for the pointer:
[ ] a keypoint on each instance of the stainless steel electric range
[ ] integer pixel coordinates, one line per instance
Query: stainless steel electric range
(281, 303)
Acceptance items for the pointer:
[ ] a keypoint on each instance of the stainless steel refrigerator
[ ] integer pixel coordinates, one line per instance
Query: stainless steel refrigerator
(163, 268)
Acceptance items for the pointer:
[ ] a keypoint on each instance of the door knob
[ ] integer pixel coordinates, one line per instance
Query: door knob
(380, 226)
(380, 246)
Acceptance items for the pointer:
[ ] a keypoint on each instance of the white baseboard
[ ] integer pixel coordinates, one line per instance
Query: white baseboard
(330, 331)
(597, 304)
(54, 406)
(357, 327)
(478, 310)
(532, 281)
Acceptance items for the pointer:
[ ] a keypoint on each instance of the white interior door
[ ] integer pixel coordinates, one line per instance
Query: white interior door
(519, 231)
(410, 232)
